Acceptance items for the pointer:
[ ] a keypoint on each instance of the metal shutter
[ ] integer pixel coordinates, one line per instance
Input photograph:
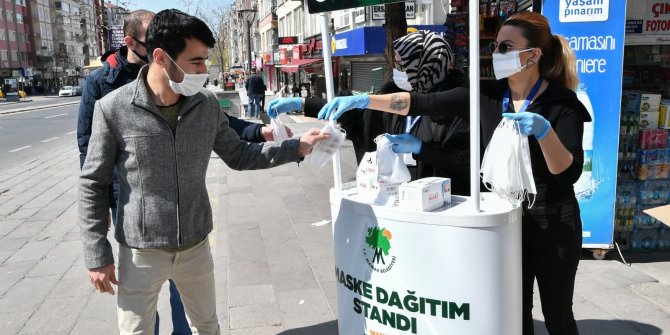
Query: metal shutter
(367, 76)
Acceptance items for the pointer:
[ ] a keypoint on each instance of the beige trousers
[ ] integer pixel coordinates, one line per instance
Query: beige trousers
(142, 273)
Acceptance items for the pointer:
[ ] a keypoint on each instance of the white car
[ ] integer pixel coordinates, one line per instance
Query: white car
(67, 91)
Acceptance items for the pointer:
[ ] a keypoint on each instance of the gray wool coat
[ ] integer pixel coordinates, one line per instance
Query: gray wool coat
(163, 201)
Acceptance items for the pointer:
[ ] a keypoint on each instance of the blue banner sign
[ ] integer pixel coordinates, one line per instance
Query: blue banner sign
(595, 31)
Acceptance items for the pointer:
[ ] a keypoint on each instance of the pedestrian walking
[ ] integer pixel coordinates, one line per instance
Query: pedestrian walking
(255, 91)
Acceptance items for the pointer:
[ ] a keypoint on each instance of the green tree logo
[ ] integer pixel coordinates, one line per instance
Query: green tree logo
(378, 239)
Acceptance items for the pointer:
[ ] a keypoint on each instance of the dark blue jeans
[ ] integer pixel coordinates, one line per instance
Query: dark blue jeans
(179, 322)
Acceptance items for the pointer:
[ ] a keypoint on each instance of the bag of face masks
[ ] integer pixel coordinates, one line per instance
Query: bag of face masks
(380, 174)
(506, 168)
(279, 132)
(324, 150)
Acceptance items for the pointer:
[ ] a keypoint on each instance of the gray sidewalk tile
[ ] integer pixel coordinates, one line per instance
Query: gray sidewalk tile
(51, 211)
(252, 316)
(73, 287)
(55, 316)
(303, 307)
(658, 270)
(23, 213)
(657, 293)
(33, 250)
(272, 330)
(28, 229)
(12, 273)
(9, 246)
(239, 296)
(100, 307)
(249, 273)
(54, 264)
(7, 226)
(95, 326)
(11, 323)
(27, 295)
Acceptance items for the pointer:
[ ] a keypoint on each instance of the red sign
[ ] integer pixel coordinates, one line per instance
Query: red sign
(282, 56)
(297, 52)
(314, 46)
(288, 40)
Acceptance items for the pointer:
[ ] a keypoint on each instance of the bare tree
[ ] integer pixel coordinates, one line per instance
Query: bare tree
(216, 15)
(396, 27)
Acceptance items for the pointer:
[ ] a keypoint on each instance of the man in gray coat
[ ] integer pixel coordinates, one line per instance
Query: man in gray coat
(158, 131)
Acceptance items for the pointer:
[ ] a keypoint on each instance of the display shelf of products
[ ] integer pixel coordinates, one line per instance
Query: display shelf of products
(492, 14)
(643, 173)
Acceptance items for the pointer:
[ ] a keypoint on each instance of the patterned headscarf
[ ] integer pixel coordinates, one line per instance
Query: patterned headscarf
(425, 57)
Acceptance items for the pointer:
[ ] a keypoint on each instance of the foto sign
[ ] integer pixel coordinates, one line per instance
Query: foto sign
(378, 11)
(319, 6)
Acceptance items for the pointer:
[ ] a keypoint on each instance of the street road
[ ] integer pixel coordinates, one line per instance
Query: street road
(28, 135)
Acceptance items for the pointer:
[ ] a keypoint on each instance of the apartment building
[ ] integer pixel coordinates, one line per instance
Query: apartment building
(16, 65)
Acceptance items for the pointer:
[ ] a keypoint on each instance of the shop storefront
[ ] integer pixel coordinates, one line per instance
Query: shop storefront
(300, 73)
(360, 57)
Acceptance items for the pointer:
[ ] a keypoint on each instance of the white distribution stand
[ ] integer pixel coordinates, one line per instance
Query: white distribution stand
(456, 270)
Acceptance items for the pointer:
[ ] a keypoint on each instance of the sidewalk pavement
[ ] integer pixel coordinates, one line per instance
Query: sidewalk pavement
(273, 266)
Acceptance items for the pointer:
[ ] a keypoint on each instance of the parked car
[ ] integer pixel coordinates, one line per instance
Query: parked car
(67, 91)
(78, 90)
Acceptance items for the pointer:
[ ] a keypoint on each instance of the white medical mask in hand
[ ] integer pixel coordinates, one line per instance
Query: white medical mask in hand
(506, 167)
(324, 150)
(190, 85)
(279, 132)
(401, 80)
(507, 64)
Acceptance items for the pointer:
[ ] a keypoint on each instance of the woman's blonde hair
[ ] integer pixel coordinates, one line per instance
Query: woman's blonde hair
(558, 62)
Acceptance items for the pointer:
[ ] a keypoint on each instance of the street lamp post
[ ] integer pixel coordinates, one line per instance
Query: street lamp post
(248, 14)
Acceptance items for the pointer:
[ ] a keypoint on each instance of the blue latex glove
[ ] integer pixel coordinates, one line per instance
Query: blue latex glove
(284, 105)
(405, 143)
(531, 124)
(334, 109)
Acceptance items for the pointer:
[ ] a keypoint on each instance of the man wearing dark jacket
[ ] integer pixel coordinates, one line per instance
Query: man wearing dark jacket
(119, 68)
(255, 92)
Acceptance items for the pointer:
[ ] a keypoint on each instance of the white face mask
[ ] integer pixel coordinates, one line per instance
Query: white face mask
(401, 80)
(190, 85)
(505, 65)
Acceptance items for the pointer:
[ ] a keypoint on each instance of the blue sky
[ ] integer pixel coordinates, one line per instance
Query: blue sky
(158, 5)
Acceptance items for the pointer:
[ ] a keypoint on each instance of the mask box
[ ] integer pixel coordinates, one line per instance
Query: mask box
(639, 102)
(649, 120)
(664, 114)
(426, 194)
(630, 102)
(649, 103)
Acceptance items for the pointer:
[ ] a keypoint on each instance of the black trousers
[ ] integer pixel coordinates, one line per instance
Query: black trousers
(552, 241)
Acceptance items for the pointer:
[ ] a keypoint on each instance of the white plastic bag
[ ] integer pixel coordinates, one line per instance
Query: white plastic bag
(324, 150)
(506, 167)
(278, 130)
(380, 174)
